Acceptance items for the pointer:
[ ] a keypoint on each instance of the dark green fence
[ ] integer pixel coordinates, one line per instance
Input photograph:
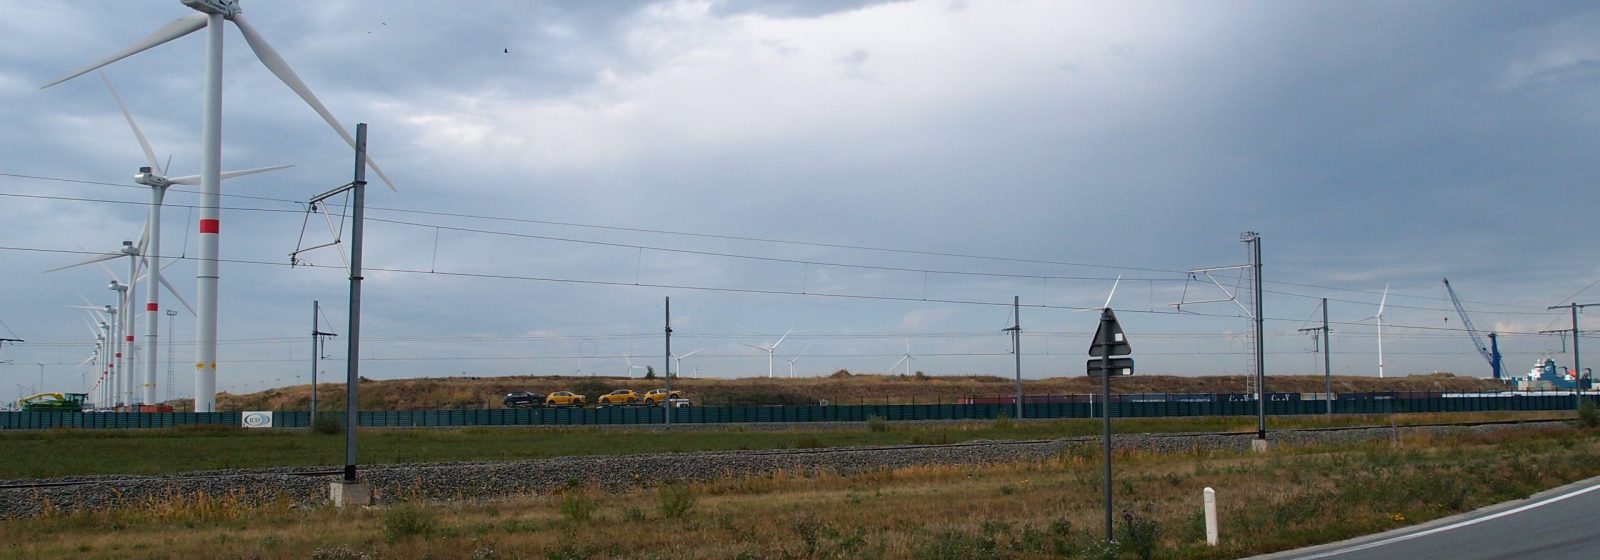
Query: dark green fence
(1166, 406)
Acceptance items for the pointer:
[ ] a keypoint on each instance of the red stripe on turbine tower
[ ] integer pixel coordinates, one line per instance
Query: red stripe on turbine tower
(210, 226)
(152, 306)
(130, 338)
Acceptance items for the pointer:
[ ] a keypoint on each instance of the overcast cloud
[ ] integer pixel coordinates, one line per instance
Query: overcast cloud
(1371, 144)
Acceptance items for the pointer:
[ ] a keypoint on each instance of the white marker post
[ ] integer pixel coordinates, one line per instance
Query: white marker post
(1211, 516)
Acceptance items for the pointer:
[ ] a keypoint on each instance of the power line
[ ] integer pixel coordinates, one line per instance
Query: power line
(782, 241)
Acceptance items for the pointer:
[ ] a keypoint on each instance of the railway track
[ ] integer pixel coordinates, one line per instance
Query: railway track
(769, 453)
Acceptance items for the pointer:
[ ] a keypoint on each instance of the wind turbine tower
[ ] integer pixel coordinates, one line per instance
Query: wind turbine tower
(770, 349)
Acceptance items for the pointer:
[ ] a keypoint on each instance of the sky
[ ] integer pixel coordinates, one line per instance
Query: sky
(873, 178)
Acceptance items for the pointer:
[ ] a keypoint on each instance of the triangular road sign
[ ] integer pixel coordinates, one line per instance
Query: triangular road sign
(1108, 339)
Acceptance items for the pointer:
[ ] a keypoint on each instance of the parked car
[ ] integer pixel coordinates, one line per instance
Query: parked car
(654, 396)
(565, 398)
(523, 399)
(619, 397)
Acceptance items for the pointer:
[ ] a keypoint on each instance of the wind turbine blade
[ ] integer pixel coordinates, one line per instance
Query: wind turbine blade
(174, 292)
(275, 63)
(1113, 292)
(149, 153)
(98, 257)
(173, 30)
(195, 179)
(756, 347)
(690, 354)
(1383, 302)
(897, 364)
(780, 339)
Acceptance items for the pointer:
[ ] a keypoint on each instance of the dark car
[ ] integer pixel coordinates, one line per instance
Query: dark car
(523, 399)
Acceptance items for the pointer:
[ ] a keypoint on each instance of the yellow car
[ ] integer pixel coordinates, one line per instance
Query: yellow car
(654, 396)
(619, 397)
(565, 398)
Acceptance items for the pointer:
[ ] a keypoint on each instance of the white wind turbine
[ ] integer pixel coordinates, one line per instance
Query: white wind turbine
(155, 178)
(796, 358)
(906, 359)
(1379, 317)
(213, 14)
(770, 349)
(631, 366)
(677, 362)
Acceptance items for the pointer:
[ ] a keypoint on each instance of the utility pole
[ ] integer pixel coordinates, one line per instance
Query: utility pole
(667, 366)
(1577, 360)
(1327, 371)
(1016, 345)
(1254, 239)
(350, 491)
(316, 353)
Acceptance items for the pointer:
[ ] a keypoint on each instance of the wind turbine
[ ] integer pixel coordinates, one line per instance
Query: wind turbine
(155, 178)
(1379, 317)
(213, 14)
(677, 362)
(796, 358)
(153, 278)
(770, 349)
(905, 359)
(632, 367)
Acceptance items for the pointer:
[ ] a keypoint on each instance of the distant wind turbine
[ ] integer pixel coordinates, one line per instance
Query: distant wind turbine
(213, 14)
(1379, 316)
(677, 362)
(770, 349)
(905, 359)
(796, 358)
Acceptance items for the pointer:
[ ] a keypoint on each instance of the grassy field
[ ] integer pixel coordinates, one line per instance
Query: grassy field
(37, 454)
(1289, 498)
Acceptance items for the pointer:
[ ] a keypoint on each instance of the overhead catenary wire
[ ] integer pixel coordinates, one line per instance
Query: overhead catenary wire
(298, 204)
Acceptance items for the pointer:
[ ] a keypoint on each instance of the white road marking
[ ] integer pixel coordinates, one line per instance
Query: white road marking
(1452, 526)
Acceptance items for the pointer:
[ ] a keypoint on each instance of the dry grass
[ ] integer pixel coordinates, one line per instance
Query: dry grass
(486, 392)
(1032, 509)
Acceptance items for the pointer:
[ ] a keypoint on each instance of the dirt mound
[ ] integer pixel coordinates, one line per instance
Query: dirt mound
(849, 388)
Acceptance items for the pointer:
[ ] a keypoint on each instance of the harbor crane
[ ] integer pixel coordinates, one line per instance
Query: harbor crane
(1490, 353)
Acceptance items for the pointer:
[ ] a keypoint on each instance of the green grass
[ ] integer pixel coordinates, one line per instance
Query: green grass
(37, 454)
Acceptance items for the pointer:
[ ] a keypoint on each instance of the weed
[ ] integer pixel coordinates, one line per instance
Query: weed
(408, 520)
(1003, 422)
(633, 514)
(577, 507)
(877, 424)
(1140, 535)
(1588, 414)
(809, 442)
(674, 500)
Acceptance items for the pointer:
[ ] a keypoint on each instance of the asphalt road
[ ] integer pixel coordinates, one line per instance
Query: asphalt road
(1553, 525)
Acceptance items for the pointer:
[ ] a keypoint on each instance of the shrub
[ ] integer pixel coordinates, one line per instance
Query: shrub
(577, 507)
(674, 500)
(1588, 414)
(328, 424)
(877, 424)
(407, 521)
(1139, 535)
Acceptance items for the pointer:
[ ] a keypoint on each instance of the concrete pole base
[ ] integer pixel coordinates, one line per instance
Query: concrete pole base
(346, 494)
(1259, 445)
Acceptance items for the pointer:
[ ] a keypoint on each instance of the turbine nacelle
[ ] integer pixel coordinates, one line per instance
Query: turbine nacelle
(148, 177)
(224, 8)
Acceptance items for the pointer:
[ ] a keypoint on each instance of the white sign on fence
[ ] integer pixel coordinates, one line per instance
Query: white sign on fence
(256, 419)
